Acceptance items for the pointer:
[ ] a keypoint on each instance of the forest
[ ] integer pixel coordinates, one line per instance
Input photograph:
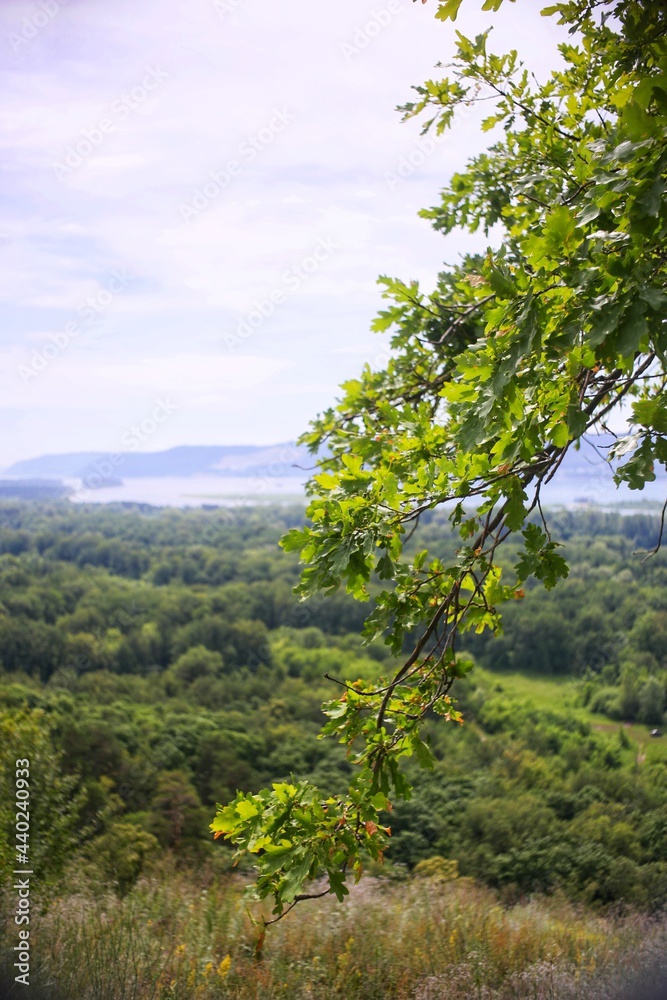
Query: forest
(160, 662)
(155, 662)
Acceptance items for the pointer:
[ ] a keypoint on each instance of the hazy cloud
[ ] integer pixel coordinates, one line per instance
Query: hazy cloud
(276, 125)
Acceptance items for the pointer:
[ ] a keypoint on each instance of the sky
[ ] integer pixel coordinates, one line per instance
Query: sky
(197, 198)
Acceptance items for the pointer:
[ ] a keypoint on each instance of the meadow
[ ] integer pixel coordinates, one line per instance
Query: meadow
(178, 936)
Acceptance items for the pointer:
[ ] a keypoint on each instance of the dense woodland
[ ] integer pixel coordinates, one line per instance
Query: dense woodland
(154, 662)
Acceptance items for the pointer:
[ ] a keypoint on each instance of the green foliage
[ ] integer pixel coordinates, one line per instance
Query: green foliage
(198, 661)
(120, 854)
(651, 702)
(56, 804)
(297, 836)
(176, 817)
(145, 738)
(517, 354)
(438, 868)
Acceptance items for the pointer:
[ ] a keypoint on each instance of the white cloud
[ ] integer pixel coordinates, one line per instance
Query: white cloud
(193, 373)
(323, 174)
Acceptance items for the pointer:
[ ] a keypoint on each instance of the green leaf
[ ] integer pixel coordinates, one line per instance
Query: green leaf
(338, 887)
(448, 10)
(650, 413)
(655, 298)
(515, 510)
(640, 468)
(502, 284)
(560, 435)
(422, 752)
(326, 480)
(560, 226)
(246, 809)
(631, 330)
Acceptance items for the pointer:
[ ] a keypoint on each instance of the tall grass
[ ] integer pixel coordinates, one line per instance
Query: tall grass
(175, 937)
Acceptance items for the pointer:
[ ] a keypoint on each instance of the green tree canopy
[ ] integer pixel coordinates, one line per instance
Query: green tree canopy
(516, 355)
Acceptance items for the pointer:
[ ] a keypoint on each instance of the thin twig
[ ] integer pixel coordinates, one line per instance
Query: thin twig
(653, 551)
(297, 899)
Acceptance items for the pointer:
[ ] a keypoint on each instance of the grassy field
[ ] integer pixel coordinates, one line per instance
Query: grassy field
(562, 694)
(181, 937)
(556, 692)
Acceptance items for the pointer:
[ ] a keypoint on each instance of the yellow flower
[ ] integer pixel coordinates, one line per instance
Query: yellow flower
(180, 950)
(225, 966)
(208, 968)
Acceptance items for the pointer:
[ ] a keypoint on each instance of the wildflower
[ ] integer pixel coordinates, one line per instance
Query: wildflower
(225, 966)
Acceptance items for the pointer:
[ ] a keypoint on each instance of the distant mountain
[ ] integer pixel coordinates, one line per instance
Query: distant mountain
(581, 470)
(187, 460)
